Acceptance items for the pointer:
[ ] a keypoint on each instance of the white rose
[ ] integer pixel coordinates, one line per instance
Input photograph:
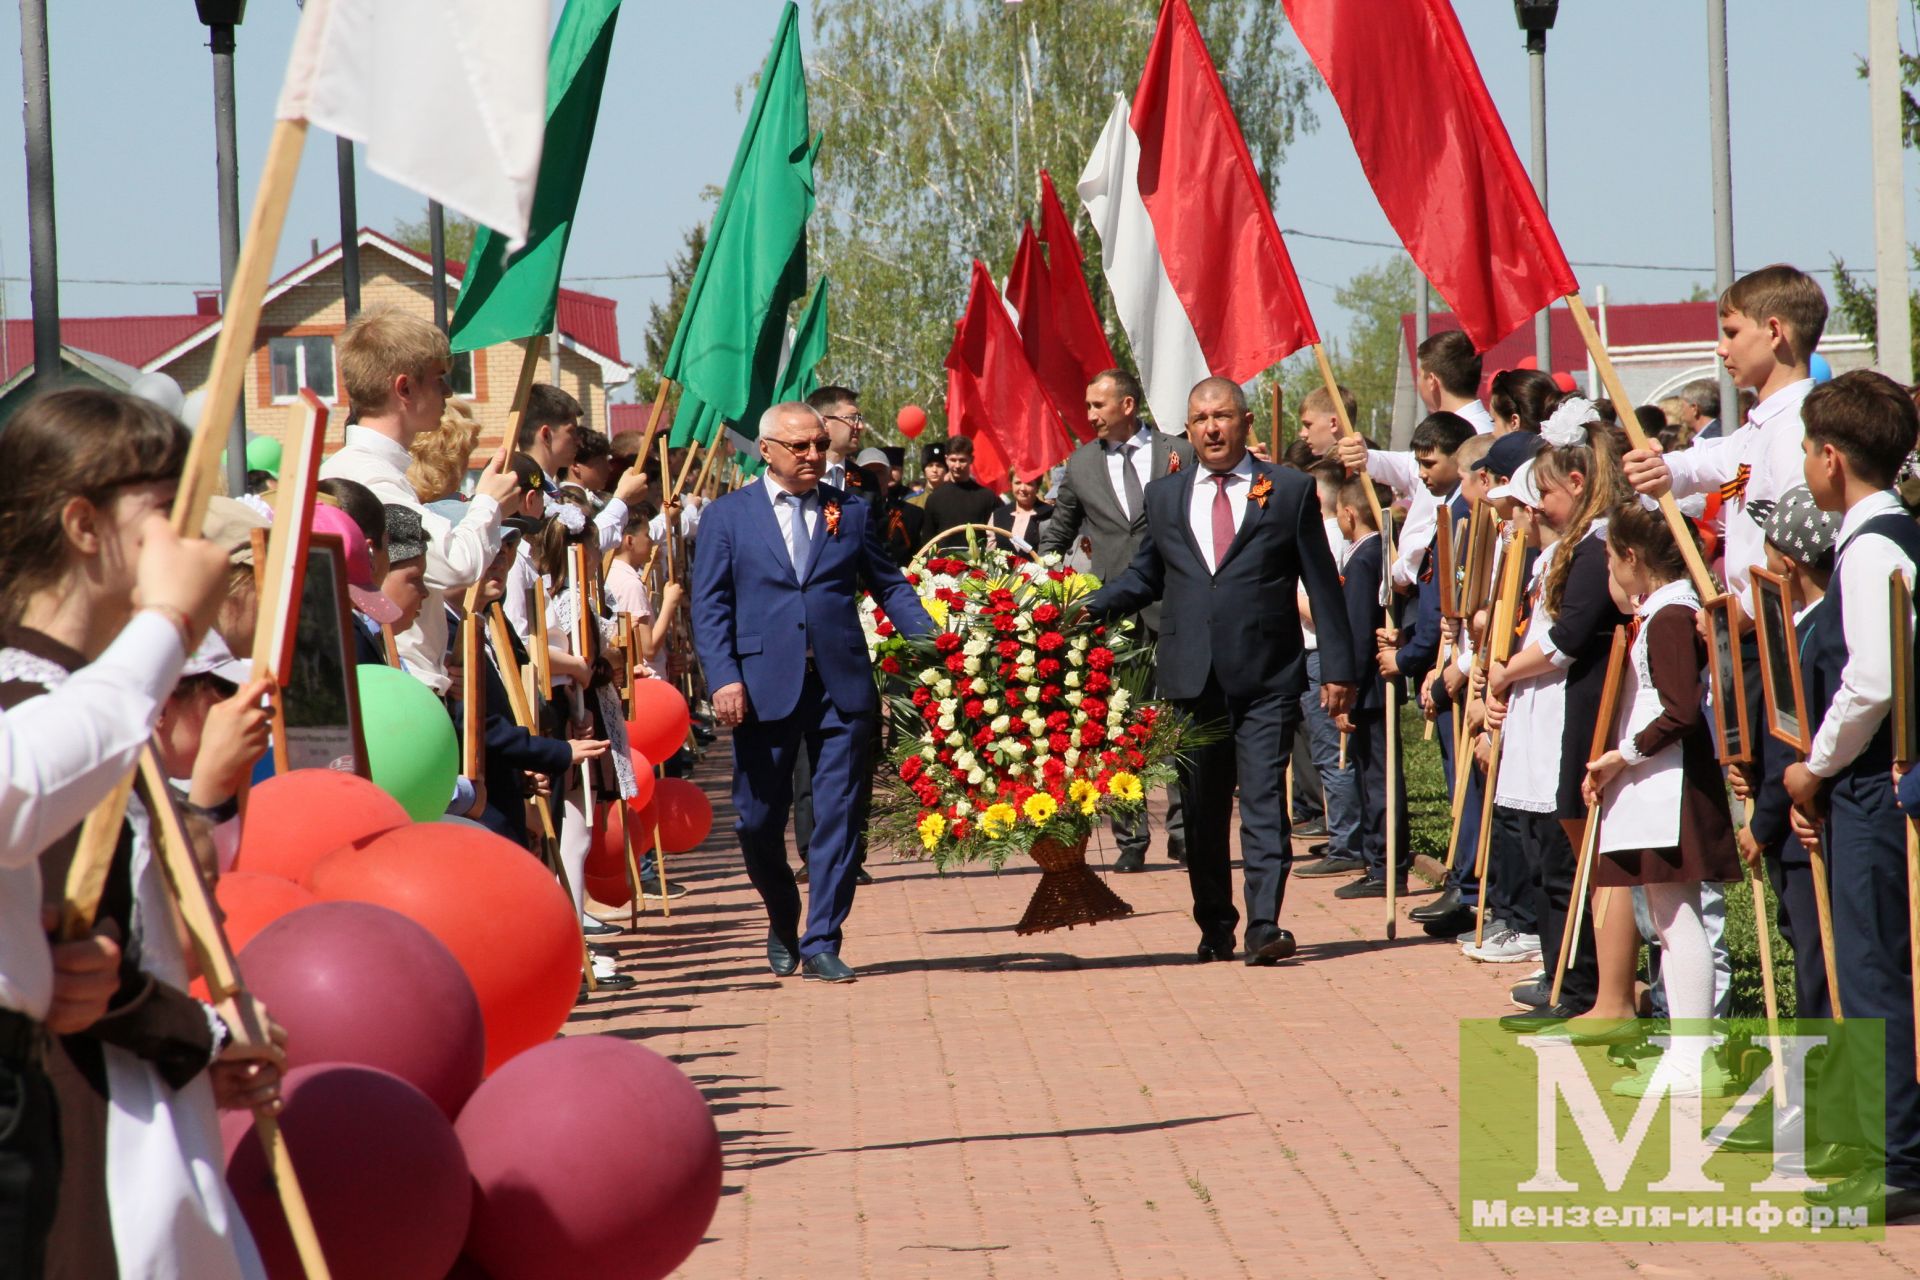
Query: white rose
(1072, 757)
(929, 677)
(975, 777)
(1023, 673)
(978, 685)
(962, 808)
(945, 688)
(1014, 747)
(991, 706)
(1120, 700)
(1026, 657)
(1073, 679)
(929, 754)
(974, 648)
(999, 724)
(955, 738)
(1074, 699)
(946, 725)
(964, 760)
(1076, 657)
(1033, 695)
(972, 666)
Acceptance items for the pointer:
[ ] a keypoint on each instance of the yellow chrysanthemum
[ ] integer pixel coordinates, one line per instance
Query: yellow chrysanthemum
(932, 827)
(1040, 808)
(998, 818)
(1125, 786)
(936, 609)
(1084, 794)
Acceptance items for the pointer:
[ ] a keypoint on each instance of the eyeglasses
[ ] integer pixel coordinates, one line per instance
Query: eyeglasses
(851, 419)
(819, 444)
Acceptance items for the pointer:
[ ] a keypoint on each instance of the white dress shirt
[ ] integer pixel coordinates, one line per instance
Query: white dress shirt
(1769, 442)
(1399, 470)
(785, 507)
(689, 519)
(1336, 543)
(610, 525)
(457, 554)
(60, 754)
(1200, 507)
(1142, 460)
(1866, 568)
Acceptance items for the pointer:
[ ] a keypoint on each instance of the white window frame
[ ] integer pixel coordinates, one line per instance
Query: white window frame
(301, 348)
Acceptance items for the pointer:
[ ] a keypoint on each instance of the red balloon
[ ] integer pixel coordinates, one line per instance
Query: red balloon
(611, 890)
(684, 813)
(911, 420)
(354, 982)
(642, 778)
(252, 900)
(382, 1172)
(655, 1176)
(608, 853)
(658, 726)
(1564, 381)
(499, 912)
(295, 819)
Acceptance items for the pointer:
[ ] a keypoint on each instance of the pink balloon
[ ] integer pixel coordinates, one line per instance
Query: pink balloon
(355, 982)
(645, 1198)
(381, 1170)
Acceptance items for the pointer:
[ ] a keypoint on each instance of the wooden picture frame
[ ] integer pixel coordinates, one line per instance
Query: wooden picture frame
(1443, 564)
(1729, 682)
(1906, 723)
(316, 718)
(1611, 694)
(1780, 682)
(1476, 587)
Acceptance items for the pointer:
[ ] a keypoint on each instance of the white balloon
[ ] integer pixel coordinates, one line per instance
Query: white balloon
(158, 388)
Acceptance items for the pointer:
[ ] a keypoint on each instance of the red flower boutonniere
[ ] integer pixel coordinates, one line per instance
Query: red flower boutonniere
(831, 511)
(1261, 488)
(1173, 464)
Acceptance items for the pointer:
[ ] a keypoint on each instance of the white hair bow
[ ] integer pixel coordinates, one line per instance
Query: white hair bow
(571, 518)
(1567, 424)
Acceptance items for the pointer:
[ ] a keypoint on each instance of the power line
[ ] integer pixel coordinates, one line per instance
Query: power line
(204, 284)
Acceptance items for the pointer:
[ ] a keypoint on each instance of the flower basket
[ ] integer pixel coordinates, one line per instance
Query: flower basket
(1022, 724)
(1069, 893)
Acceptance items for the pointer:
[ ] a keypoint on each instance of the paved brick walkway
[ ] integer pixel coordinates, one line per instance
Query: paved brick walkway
(1090, 1103)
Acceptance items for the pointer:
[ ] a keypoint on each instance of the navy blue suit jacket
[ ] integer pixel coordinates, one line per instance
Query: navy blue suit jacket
(754, 619)
(1360, 583)
(1241, 623)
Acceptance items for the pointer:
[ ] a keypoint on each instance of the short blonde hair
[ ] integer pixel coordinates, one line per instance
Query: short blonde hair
(381, 344)
(441, 456)
(1319, 400)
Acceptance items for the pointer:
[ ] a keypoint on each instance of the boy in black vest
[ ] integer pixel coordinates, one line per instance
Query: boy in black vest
(1860, 429)
(1366, 725)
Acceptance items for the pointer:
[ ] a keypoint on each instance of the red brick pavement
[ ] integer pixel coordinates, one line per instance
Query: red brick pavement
(1090, 1103)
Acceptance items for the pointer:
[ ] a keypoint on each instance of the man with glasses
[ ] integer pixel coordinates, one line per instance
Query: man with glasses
(776, 621)
(839, 408)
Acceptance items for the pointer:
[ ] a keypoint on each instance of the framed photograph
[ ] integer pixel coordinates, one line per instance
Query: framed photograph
(1605, 725)
(317, 718)
(1476, 583)
(1906, 732)
(1444, 544)
(1729, 682)
(1786, 698)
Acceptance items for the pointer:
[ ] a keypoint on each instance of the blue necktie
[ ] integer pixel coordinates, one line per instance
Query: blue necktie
(797, 533)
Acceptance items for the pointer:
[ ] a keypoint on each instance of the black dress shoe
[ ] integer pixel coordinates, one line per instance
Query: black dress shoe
(783, 957)
(800, 876)
(1865, 1187)
(1333, 866)
(1310, 830)
(1755, 1133)
(1221, 950)
(1447, 903)
(611, 982)
(1829, 1160)
(1269, 946)
(599, 929)
(1318, 849)
(1131, 860)
(1177, 853)
(1451, 925)
(1541, 1019)
(860, 876)
(825, 967)
(1364, 888)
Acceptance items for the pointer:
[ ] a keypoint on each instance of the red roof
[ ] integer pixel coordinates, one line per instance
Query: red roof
(628, 417)
(131, 340)
(1640, 324)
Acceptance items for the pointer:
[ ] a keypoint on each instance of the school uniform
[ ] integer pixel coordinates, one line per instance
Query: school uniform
(1578, 640)
(1367, 743)
(1865, 835)
(508, 750)
(1664, 818)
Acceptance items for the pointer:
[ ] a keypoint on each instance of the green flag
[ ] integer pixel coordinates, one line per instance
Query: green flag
(809, 349)
(503, 298)
(726, 352)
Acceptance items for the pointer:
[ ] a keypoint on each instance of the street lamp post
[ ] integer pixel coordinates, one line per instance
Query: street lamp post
(220, 18)
(1536, 19)
(41, 247)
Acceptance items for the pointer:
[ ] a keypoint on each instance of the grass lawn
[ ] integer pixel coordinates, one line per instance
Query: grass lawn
(1431, 808)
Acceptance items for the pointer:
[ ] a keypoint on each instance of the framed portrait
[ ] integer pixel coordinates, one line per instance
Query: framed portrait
(1786, 698)
(1729, 682)
(1906, 732)
(1476, 582)
(1605, 725)
(317, 718)
(1446, 541)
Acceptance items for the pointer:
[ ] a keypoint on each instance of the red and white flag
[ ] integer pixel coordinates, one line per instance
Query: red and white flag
(448, 96)
(1438, 156)
(1200, 277)
(1030, 288)
(994, 396)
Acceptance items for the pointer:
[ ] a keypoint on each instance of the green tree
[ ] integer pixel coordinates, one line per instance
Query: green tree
(663, 320)
(919, 100)
(418, 235)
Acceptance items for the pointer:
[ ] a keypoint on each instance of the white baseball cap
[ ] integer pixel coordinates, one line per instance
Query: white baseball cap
(1521, 487)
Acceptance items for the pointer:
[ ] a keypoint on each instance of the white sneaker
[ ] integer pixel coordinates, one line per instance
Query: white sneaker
(1494, 926)
(1506, 947)
(603, 967)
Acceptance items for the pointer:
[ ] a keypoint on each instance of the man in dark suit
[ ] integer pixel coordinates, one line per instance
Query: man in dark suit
(1100, 501)
(1227, 545)
(777, 624)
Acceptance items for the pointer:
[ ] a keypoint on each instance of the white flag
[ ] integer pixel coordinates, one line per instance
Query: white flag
(449, 96)
(1164, 343)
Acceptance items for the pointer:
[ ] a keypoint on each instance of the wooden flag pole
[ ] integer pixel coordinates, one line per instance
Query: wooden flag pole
(222, 975)
(1346, 424)
(666, 516)
(542, 663)
(1603, 731)
(1499, 648)
(232, 353)
(706, 464)
(1394, 834)
(522, 388)
(1278, 394)
(472, 701)
(686, 466)
(667, 387)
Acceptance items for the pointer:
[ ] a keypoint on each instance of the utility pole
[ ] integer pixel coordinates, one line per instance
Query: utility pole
(437, 247)
(1722, 191)
(1893, 340)
(220, 18)
(1536, 19)
(41, 247)
(349, 226)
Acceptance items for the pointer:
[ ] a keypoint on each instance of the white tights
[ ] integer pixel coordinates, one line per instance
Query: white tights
(576, 839)
(1686, 956)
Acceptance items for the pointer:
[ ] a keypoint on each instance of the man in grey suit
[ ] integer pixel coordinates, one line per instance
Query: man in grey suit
(1101, 501)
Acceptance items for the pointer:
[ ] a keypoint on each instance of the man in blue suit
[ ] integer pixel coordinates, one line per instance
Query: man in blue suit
(776, 621)
(1227, 546)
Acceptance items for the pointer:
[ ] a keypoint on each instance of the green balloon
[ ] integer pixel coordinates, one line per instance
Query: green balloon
(263, 454)
(410, 744)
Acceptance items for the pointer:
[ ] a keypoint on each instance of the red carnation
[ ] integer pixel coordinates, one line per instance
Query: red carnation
(1058, 743)
(884, 630)
(913, 579)
(931, 713)
(1140, 732)
(1100, 658)
(974, 708)
(1049, 693)
(1059, 720)
(911, 768)
(1008, 648)
(1092, 734)
(1136, 759)
(978, 575)
(957, 663)
(890, 665)
(1054, 769)
(959, 829)
(984, 738)
(1050, 642)
(1107, 758)
(1093, 708)
(1047, 668)
(1047, 614)
(1006, 622)
(946, 642)
(1098, 682)
(922, 696)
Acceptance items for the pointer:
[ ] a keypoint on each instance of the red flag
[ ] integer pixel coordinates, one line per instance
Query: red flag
(993, 394)
(1030, 294)
(1214, 225)
(1438, 157)
(1075, 318)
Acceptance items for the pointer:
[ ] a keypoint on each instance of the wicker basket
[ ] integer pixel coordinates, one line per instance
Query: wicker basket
(1069, 892)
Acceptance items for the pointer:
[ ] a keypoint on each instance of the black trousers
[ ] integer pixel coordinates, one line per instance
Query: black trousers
(1792, 879)
(1514, 895)
(1251, 754)
(29, 1166)
(1367, 752)
(1553, 860)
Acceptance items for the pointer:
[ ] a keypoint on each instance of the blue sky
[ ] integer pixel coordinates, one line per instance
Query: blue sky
(1627, 127)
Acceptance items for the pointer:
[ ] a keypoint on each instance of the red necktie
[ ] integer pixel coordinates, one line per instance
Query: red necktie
(1222, 518)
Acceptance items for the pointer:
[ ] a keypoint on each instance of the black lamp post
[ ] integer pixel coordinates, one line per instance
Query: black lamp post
(1536, 19)
(220, 18)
